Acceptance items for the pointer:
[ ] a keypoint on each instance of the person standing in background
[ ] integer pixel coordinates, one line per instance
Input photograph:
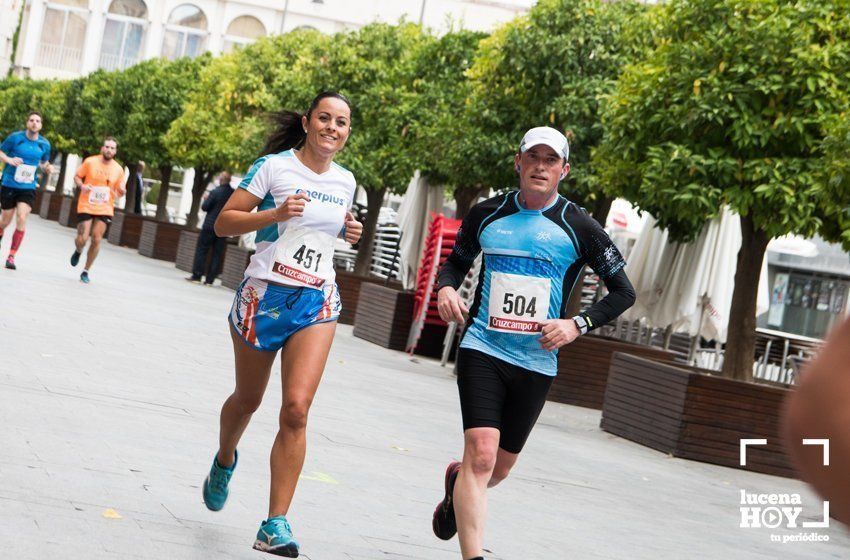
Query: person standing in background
(213, 202)
(140, 190)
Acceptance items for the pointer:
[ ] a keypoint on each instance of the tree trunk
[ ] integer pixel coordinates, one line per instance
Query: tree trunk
(601, 207)
(364, 254)
(199, 185)
(60, 181)
(465, 198)
(741, 336)
(133, 187)
(162, 199)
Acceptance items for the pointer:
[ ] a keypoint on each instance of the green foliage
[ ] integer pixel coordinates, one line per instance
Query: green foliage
(551, 67)
(153, 194)
(103, 107)
(224, 124)
(731, 108)
(374, 68)
(835, 175)
(158, 91)
(441, 135)
(19, 97)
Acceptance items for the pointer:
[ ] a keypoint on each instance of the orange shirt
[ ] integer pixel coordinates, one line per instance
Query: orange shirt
(106, 180)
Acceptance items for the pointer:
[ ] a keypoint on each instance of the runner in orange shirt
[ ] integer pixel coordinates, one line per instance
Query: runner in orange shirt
(100, 179)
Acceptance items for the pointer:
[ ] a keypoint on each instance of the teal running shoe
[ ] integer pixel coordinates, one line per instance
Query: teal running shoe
(215, 486)
(275, 537)
(84, 277)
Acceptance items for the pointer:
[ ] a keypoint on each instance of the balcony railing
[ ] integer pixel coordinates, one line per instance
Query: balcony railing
(116, 62)
(60, 57)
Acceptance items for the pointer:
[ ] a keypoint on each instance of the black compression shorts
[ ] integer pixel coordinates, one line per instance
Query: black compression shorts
(83, 217)
(9, 197)
(496, 394)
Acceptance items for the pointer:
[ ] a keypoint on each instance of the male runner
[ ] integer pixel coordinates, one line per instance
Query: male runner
(535, 244)
(99, 179)
(23, 152)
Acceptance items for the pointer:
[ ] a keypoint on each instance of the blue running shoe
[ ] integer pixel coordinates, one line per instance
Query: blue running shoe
(75, 258)
(215, 486)
(84, 277)
(275, 537)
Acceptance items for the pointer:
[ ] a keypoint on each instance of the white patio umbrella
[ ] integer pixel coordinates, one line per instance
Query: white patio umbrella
(418, 202)
(689, 286)
(647, 268)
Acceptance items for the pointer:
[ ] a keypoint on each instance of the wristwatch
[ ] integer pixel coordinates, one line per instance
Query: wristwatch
(581, 323)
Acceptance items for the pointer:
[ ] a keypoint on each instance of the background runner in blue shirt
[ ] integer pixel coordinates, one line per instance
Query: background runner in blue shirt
(535, 244)
(24, 153)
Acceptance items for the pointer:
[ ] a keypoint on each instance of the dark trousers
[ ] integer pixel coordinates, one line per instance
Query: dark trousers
(208, 240)
(137, 199)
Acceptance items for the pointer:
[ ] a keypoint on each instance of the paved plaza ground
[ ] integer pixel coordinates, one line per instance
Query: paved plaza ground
(109, 400)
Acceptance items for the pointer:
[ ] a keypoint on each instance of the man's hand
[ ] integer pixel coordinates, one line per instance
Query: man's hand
(557, 333)
(451, 306)
(85, 188)
(47, 167)
(15, 161)
(353, 228)
(292, 207)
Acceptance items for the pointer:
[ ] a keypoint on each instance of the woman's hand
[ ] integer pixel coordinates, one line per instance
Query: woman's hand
(353, 228)
(292, 207)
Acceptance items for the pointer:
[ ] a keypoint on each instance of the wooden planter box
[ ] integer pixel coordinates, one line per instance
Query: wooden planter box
(51, 205)
(349, 292)
(39, 194)
(234, 264)
(583, 368)
(383, 315)
(159, 240)
(126, 229)
(684, 412)
(68, 212)
(186, 248)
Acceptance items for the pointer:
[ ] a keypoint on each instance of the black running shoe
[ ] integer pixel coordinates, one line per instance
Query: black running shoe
(75, 259)
(10, 263)
(444, 522)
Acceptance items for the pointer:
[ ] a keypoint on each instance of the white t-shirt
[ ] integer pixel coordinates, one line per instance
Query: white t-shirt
(299, 251)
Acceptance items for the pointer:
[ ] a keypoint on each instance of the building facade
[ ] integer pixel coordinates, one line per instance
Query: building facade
(8, 25)
(70, 38)
(809, 290)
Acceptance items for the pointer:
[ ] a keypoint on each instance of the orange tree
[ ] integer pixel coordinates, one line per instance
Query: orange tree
(552, 67)
(732, 108)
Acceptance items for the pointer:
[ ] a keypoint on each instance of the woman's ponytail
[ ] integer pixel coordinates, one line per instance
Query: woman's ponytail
(288, 133)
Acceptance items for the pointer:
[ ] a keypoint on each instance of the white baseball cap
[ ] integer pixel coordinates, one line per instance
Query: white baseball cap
(548, 136)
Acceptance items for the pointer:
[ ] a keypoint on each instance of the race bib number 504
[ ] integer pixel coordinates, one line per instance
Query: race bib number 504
(518, 303)
(303, 256)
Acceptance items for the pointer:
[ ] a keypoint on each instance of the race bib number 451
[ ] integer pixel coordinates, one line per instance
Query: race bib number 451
(518, 303)
(303, 256)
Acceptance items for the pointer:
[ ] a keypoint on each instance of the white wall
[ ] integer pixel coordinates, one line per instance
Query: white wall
(329, 16)
(8, 23)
